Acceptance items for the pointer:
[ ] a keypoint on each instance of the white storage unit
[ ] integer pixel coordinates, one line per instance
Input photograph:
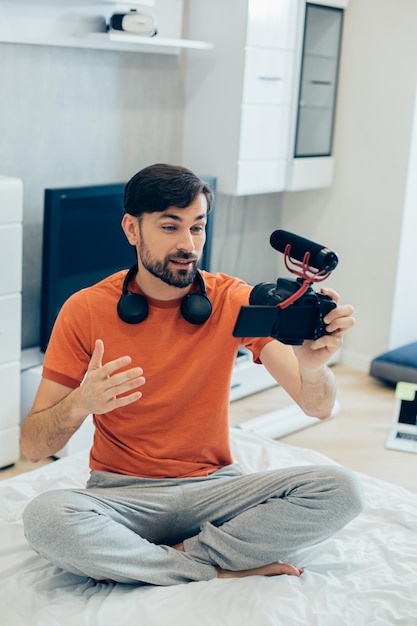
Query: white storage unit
(311, 161)
(11, 213)
(242, 111)
(238, 99)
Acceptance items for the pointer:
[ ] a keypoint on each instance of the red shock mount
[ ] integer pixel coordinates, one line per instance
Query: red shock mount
(304, 271)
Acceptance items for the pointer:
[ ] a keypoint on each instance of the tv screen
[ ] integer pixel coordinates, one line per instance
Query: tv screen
(83, 242)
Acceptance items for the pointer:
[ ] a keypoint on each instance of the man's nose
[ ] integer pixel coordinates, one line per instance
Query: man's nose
(186, 242)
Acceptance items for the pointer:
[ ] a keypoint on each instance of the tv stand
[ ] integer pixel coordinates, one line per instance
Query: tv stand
(248, 378)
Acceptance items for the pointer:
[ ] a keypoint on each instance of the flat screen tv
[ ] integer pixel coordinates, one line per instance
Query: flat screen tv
(83, 242)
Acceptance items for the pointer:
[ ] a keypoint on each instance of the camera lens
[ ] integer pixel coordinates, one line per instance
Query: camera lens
(263, 294)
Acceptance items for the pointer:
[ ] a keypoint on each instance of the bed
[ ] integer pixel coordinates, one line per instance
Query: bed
(366, 574)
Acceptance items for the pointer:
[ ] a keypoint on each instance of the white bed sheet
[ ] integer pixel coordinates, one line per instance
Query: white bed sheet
(364, 575)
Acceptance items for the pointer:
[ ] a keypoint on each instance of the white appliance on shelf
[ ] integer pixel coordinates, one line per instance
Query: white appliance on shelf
(11, 214)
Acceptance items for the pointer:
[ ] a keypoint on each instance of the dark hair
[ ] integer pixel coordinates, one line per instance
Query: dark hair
(159, 186)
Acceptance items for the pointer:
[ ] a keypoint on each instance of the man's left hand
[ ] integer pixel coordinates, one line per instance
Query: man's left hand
(313, 354)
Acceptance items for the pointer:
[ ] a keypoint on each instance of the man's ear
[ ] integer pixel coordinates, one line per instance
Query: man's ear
(130, 227)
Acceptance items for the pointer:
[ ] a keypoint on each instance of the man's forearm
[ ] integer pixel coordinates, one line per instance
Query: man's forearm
(318, 391)
(45, 432)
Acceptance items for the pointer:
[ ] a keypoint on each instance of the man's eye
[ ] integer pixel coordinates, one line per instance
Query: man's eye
(168, 227)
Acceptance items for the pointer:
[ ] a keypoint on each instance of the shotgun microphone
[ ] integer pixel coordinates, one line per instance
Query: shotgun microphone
(290, 311)
(321, 258)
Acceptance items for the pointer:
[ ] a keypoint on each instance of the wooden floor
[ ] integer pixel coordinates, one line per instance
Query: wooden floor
(355, 437)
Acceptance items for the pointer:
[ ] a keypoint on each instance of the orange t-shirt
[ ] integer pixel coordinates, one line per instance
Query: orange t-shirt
(180, 426)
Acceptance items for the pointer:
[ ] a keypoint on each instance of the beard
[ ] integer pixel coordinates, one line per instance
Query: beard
(160, 269)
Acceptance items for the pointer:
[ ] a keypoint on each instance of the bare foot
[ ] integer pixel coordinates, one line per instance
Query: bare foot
(105, 581)
(179, 547)
(272, 569)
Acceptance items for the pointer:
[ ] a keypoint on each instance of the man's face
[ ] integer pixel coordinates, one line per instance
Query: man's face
(171, 243)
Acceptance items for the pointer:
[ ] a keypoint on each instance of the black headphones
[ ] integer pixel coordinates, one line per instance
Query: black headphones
(133, 308)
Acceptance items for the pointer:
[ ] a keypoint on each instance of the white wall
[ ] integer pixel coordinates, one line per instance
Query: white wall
(80, 117)
(83, 117)
(362, 215)
(404, 316)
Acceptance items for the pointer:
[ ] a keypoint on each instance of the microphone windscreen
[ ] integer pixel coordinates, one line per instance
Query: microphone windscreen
(321, 258)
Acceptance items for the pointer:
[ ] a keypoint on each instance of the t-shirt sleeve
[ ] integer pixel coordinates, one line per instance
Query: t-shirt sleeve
(239, 296)
(256, 346)
(69, 350)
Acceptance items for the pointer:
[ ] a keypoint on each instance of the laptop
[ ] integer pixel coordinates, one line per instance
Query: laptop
(403, 434)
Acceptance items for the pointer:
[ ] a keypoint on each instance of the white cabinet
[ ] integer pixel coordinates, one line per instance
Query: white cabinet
(238, 101)
(11, 196)
(241, 101)
(311, 164)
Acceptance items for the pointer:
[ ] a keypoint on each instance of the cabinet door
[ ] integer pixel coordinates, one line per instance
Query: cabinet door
(10, 329)
(264, 132)
(318, 83)
(11, 258)
(10, 394)
(262, 176)
(313, 136)
(267, 78)
(317, 98)
(272, 23)
(11, 204)
(9, 446)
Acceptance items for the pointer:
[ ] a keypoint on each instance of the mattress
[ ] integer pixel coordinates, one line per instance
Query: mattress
(366, 574)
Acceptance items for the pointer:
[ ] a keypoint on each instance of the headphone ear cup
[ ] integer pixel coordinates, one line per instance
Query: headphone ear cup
(132, 308)
(196, 308)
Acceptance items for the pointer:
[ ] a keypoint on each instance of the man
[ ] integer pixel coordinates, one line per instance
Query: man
(150, 354)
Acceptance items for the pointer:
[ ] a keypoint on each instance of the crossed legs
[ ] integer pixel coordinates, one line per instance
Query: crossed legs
(166, 532)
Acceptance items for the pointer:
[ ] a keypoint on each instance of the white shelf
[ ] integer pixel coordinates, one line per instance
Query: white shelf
(110, 41)
(124, 38)
(125, 41)
(66, 23)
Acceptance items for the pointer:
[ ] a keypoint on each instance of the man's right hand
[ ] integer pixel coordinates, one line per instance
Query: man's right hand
(105, 387)
(58, 411)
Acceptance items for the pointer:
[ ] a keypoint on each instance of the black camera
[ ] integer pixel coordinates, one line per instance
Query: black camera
(290, 310)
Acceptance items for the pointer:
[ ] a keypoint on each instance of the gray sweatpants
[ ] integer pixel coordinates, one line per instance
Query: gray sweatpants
(123, 527)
